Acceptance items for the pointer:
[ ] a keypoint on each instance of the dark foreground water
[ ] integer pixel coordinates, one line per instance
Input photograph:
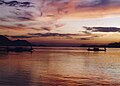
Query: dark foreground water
(60, 67)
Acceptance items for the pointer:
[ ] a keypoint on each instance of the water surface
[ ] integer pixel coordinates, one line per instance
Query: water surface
(60, 67)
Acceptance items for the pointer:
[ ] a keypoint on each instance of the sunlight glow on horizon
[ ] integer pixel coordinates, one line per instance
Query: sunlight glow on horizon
(63, 21)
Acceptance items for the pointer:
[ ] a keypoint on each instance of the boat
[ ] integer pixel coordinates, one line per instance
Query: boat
(96, 49)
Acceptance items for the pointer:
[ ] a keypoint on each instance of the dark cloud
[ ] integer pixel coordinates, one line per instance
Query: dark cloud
(20, 26)
(31, 35)
(17, 27)
(102, 29)
(20, 36)
(103, 2)
(5, 27)
(16, 16)
(91, 37)
(86, 32)
(16, 3)
(22, 15)
(96, 3)
(51, 34)
(46, 28)
(87, 28)
(22, 18)
(85, 38)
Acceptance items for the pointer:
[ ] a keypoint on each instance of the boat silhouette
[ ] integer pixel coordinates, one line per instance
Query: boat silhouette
(96, 49)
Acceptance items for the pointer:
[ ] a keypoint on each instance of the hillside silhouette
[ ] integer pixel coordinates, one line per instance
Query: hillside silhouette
(4, 41)
(115, 45)
(21, 43)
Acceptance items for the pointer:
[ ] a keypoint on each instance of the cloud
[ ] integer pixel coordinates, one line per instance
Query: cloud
(57, 8)
(85, 38)
(102, 29)
(80, 3)
(51, 34)
(92, 3)
(91, 37)
(4, 19)
(49, 7)
(22, 18)
(21, 36)
(17, 16)
(22, 15)
(16, 27)
(86, 32)
(67, 36)
(32, 35)
(62, 6)
(46, 28)
(16, 3)
(14, 11)
(84, 8)
(95, 3)
(8, 27)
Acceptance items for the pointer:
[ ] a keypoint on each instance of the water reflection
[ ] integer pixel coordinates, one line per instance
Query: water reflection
(12, 74)
(43, 68)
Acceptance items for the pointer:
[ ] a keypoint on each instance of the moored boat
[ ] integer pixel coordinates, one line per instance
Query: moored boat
(96, 49)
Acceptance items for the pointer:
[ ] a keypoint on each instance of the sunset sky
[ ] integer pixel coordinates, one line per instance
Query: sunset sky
(61, 21)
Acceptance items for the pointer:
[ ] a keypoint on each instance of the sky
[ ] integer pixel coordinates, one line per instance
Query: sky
(61, 21)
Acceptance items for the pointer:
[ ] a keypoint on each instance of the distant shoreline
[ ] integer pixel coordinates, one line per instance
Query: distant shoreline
(4, 41)
(62, 46)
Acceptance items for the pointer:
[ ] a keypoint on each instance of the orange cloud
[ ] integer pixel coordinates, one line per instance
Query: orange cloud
(86, 8)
